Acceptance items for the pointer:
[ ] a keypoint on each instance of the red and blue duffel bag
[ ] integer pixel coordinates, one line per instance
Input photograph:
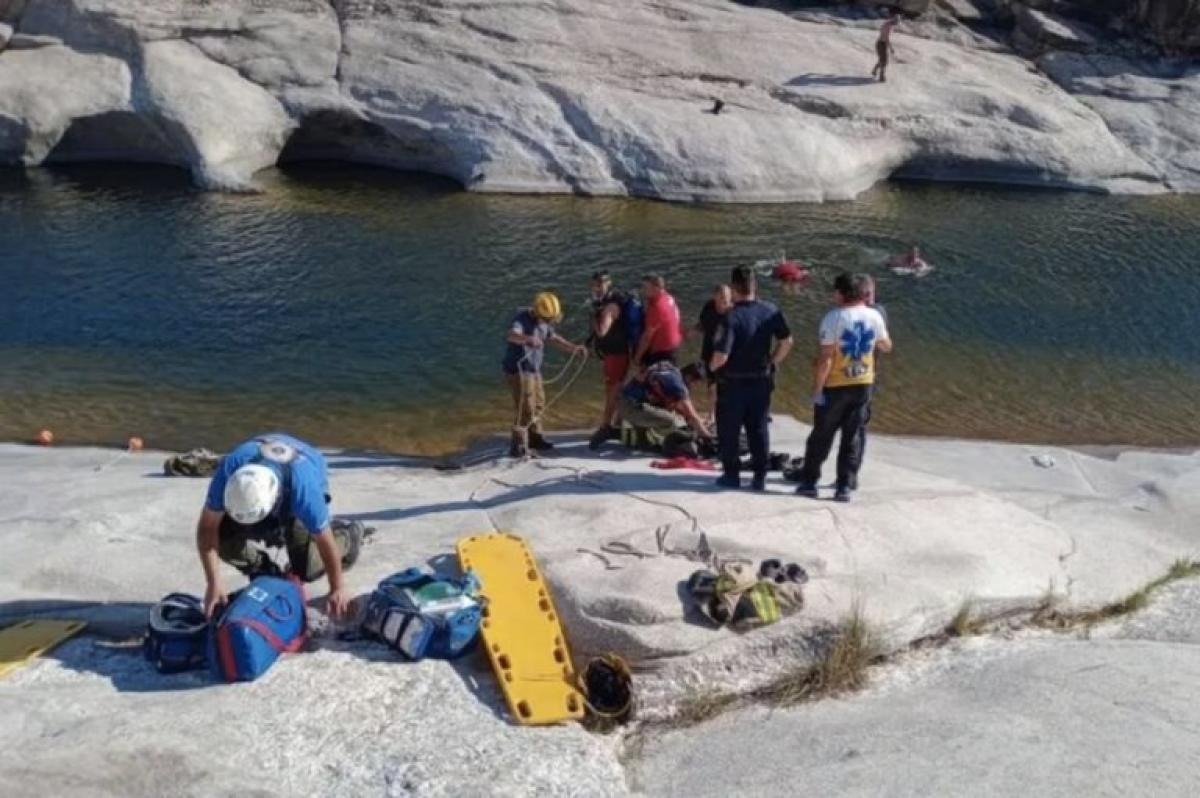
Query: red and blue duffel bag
(262, 621)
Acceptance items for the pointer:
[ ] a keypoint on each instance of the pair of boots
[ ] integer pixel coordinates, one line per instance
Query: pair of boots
(523, 443)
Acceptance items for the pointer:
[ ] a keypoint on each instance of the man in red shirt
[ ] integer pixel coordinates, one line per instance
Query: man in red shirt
(663, 333)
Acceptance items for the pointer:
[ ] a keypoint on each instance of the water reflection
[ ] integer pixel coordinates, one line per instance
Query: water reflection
(365, 308)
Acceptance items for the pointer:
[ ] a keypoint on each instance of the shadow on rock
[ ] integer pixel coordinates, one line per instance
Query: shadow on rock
(691, 613)
(111, 619)
(352, 459)
(597, 483)
(110, 646)
(123, 664)
(813, 79)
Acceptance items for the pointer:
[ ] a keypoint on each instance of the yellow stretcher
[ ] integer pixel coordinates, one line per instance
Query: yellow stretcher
(25, 640)
(524, 639)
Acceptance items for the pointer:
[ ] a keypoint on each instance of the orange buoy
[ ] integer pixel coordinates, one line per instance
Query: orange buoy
(45, 438)
(136, 444)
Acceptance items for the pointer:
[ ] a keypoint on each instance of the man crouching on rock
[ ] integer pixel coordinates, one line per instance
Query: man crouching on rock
(659, 402)
(273, 492)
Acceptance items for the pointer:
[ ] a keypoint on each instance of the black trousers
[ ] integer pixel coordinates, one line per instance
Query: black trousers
(860, 442)
(744, 403)
(843, 412)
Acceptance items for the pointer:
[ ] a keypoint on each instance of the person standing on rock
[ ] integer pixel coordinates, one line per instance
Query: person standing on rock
(663, 333)
(843, 373)
(860, 442)
(528, 333)
(711, 314)
(610, 340)
(273, 492)
(750, 343)
(883, 46)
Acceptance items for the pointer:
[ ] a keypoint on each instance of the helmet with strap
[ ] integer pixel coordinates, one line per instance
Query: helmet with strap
(262, 487)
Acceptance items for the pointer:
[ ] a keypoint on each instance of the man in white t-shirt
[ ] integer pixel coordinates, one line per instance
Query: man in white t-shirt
(843, 374)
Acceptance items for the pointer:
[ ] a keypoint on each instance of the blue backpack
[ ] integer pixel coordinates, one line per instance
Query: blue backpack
(264, 620)
(177, 634)
(421, 615)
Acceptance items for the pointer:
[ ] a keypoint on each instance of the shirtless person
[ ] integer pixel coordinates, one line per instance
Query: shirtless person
(883, 47)
(910, 264)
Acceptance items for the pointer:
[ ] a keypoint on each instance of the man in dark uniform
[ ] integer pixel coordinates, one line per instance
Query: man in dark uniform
(750, 344)
(711, 315)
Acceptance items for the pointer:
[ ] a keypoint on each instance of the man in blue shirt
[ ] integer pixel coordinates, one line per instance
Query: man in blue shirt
(272, 492)
(528, 333)
(751, 342)
(658, 400)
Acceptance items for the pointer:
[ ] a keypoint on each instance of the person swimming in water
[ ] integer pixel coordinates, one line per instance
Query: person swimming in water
(910, 264)
(883, 46)
(791, 274)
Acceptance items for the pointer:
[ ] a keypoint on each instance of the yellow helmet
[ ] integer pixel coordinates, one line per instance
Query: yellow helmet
(546, 306)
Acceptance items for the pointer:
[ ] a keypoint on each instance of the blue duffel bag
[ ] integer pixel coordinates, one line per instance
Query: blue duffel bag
(177, 634)
(421, 615)
(262, 621)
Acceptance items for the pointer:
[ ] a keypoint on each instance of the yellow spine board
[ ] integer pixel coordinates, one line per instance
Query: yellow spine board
(521, 630)
(25, 640)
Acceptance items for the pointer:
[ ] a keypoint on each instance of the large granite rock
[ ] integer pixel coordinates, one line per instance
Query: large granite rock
(226, 127)
(44, 91)
(1153, 107)
(1039, 31)
(588, 96)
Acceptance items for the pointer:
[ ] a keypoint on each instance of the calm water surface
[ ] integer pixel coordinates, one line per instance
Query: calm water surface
(366, 309)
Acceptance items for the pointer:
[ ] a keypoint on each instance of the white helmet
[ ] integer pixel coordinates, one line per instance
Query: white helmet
(251, 493)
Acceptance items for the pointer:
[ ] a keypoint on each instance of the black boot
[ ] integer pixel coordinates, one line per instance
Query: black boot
(606, 432)
(355, 534)
(539, 443)
(519, 448)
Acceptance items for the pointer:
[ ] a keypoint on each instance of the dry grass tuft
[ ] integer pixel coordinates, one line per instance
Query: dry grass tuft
(848, 651)
(1137, 600)
(845, 653)
(704, 706)
(965, 622)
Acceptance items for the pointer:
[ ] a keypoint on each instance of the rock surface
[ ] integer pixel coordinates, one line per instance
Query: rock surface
(100, 535)
(588, 96)
(1046, 717)
(1039, 31)
(1153, 107)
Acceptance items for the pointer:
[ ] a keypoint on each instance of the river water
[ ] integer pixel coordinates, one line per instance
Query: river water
(364, 308)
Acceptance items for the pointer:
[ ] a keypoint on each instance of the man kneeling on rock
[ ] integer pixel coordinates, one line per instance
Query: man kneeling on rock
(657, 402)
(272, 492)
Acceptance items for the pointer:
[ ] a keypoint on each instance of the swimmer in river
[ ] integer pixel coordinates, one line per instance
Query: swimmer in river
(791, 274)
(883, 46)
(910, 264)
